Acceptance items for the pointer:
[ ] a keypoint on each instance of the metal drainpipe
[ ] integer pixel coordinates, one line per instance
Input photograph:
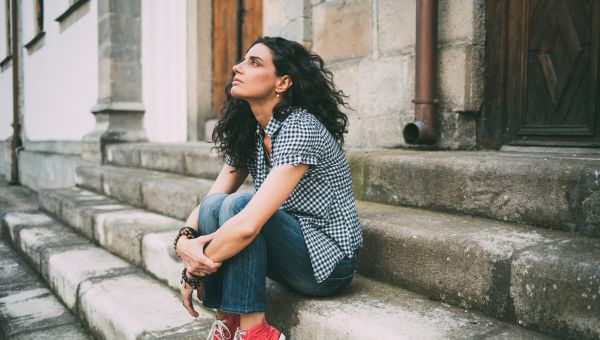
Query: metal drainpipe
(422, 130)
(16, 137)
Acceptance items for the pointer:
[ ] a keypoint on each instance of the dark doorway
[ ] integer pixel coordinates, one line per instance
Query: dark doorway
(542, 60)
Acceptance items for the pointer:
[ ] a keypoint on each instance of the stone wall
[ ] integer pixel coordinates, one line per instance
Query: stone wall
(370, 47)
(50, 164)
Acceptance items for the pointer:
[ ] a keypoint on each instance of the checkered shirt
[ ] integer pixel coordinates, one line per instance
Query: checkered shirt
(323, 201)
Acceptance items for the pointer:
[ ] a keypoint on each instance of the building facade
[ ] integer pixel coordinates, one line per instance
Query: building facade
(486, 95)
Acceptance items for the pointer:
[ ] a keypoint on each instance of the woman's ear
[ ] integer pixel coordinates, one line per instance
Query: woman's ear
(283, 84)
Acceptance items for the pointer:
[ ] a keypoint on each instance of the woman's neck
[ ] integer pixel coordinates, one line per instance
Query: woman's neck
(263, 111)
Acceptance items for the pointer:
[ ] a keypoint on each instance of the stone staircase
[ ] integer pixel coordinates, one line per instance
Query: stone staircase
(423, 274)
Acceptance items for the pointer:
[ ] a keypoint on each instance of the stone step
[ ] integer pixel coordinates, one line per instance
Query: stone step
(28, 309)
(556, 191)
(519, 273)
(113, 298)
(119, 301)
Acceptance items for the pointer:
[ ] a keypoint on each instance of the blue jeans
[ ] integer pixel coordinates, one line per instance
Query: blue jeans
(278, 251)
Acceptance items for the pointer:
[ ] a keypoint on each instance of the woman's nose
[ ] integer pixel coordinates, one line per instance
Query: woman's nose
(237, 68)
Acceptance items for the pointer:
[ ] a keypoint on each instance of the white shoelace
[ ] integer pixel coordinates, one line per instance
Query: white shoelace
(238, 334)
(219, 328)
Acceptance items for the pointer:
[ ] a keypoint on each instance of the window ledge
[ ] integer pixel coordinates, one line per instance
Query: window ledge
(32, 43)
(5, 63)
(70, 10)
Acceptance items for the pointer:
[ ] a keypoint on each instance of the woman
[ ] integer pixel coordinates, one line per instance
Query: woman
(281, 124)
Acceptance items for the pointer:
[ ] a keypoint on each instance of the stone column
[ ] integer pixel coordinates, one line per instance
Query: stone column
(119, 111)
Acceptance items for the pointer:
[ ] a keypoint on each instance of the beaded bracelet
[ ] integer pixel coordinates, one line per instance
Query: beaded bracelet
(195, 282)
(188, 232)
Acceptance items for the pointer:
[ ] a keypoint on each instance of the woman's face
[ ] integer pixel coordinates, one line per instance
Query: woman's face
(255, 77)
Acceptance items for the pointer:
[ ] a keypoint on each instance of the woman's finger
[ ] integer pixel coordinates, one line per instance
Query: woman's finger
(186, 295)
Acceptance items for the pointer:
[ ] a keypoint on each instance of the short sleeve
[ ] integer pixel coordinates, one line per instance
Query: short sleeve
(231, 160)
(299, 141)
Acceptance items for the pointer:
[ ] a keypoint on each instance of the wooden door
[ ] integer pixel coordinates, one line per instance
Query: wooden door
(236, 24)
(543, 83)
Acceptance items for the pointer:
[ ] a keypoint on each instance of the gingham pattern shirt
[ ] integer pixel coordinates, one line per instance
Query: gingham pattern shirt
(323, 201)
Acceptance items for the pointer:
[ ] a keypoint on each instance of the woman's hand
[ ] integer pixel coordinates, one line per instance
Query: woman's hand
(191, 252)
(186, 295)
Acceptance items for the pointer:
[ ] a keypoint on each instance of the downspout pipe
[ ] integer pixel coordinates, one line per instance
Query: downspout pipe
(16, 137)
(422, 130)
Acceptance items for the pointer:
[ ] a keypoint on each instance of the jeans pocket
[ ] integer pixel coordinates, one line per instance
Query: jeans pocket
(339, 279)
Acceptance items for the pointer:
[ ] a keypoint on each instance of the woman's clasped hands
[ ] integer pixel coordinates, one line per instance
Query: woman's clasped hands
(197, 264)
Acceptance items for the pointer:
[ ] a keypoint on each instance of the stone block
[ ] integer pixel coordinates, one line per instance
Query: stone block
(153, 309)
(461, 21)
(457, 131)
(163, 158)
(203, 162)
(38, 242)
(396, 27)
(121, 232)
(461, 78)
(12, 222)
(342, 30)
(125, 184)
(556, 288)
(372, 310)
(30, 310)
(544, 191)
(460, 260)
(174, 196)
(69, 268)
(124, 154)
(89, 177)
(159, 258)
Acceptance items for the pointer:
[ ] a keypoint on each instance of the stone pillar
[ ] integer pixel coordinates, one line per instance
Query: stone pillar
(199, 63)
(119, 111)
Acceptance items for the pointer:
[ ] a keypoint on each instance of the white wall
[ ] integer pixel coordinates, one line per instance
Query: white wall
(164, 70)
(6, 108)
(60, 78)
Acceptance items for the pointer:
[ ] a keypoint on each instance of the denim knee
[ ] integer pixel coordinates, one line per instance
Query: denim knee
(208, 214)
(233, 204)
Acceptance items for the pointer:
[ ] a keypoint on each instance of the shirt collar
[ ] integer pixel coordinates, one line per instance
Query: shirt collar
(273, 125)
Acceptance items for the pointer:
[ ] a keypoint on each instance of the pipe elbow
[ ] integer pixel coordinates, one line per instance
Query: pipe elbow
(419, 132)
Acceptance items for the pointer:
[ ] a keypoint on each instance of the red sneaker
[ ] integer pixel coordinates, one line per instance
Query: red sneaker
(223, 328)
(263, 331)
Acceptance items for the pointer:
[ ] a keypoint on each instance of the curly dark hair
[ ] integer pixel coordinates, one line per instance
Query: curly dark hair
(312, 89)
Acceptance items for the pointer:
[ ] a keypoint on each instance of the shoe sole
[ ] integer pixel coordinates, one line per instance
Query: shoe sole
(281, 337)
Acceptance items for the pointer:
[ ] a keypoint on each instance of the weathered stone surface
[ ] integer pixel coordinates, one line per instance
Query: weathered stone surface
(28, 310)
(551, 191)
(113, 312)
(124, 154)
(125, 184)
(89, 177)
(174, 196)
(160, 260)
(461, 260)
(67, 269)
(164, 157)
(289, 19)
(203, 162)
(371, 310)
(556, 288)
(461, 79)
(396, 26)
(37, 242)
(121, 232)
(334, 22)
(77, 207)
(461, 21)
(58, 169)
(17, 198)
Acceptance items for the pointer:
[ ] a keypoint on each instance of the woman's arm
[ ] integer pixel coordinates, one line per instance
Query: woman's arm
(227, 182)
(240, 230)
